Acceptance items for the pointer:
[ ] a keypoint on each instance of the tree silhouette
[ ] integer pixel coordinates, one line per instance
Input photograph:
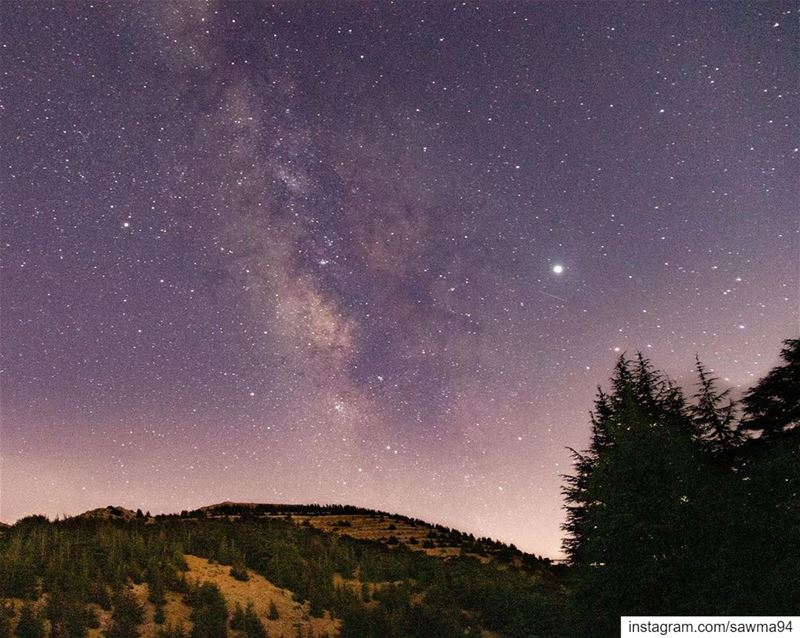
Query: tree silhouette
(629, 499)
(713, 414)
(772, 407)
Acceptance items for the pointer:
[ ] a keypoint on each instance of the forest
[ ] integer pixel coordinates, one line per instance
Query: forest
(686, 502)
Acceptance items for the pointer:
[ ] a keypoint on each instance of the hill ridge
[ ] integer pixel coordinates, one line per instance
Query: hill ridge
(357, 522)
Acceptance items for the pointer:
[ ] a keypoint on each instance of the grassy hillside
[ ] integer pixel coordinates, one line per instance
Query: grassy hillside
(290, 571)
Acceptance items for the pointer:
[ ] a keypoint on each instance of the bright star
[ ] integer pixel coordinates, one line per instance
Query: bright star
(558, 269)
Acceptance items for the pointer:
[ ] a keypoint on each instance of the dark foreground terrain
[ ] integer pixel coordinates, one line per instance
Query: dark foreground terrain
(256, 570)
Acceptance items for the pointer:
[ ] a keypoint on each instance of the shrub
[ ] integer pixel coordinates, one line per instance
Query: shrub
(239, 572)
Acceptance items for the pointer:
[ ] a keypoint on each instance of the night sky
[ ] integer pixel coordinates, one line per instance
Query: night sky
(377, 253)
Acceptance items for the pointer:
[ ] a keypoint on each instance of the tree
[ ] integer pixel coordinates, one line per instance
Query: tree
(769, 466)
(772, 407)
(156, 594)
(252, 626)
(209, 612)
(68, 616)
(713, 414)
(237, 619)
(31, 623)
(630, 500)
(576, 488)
(127, 615)
(21, 579)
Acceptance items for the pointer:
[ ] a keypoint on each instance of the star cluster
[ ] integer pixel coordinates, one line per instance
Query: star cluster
(376, 253)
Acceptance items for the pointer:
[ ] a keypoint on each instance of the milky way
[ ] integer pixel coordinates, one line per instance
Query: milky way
(377, 253)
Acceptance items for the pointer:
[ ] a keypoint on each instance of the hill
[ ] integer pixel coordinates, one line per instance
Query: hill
(281, 571)
(110, 513)
(383, 527)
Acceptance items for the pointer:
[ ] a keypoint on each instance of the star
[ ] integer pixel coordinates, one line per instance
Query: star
(372, 252)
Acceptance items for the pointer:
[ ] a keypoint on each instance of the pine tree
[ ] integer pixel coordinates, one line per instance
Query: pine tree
(576, 489)
(713, 414)
(237, 619)
(156, 594)
(772, 407)
(21, 579)
(253, 627)
(209, 613)
(68, 616)
(629, 499)
(769, 463)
